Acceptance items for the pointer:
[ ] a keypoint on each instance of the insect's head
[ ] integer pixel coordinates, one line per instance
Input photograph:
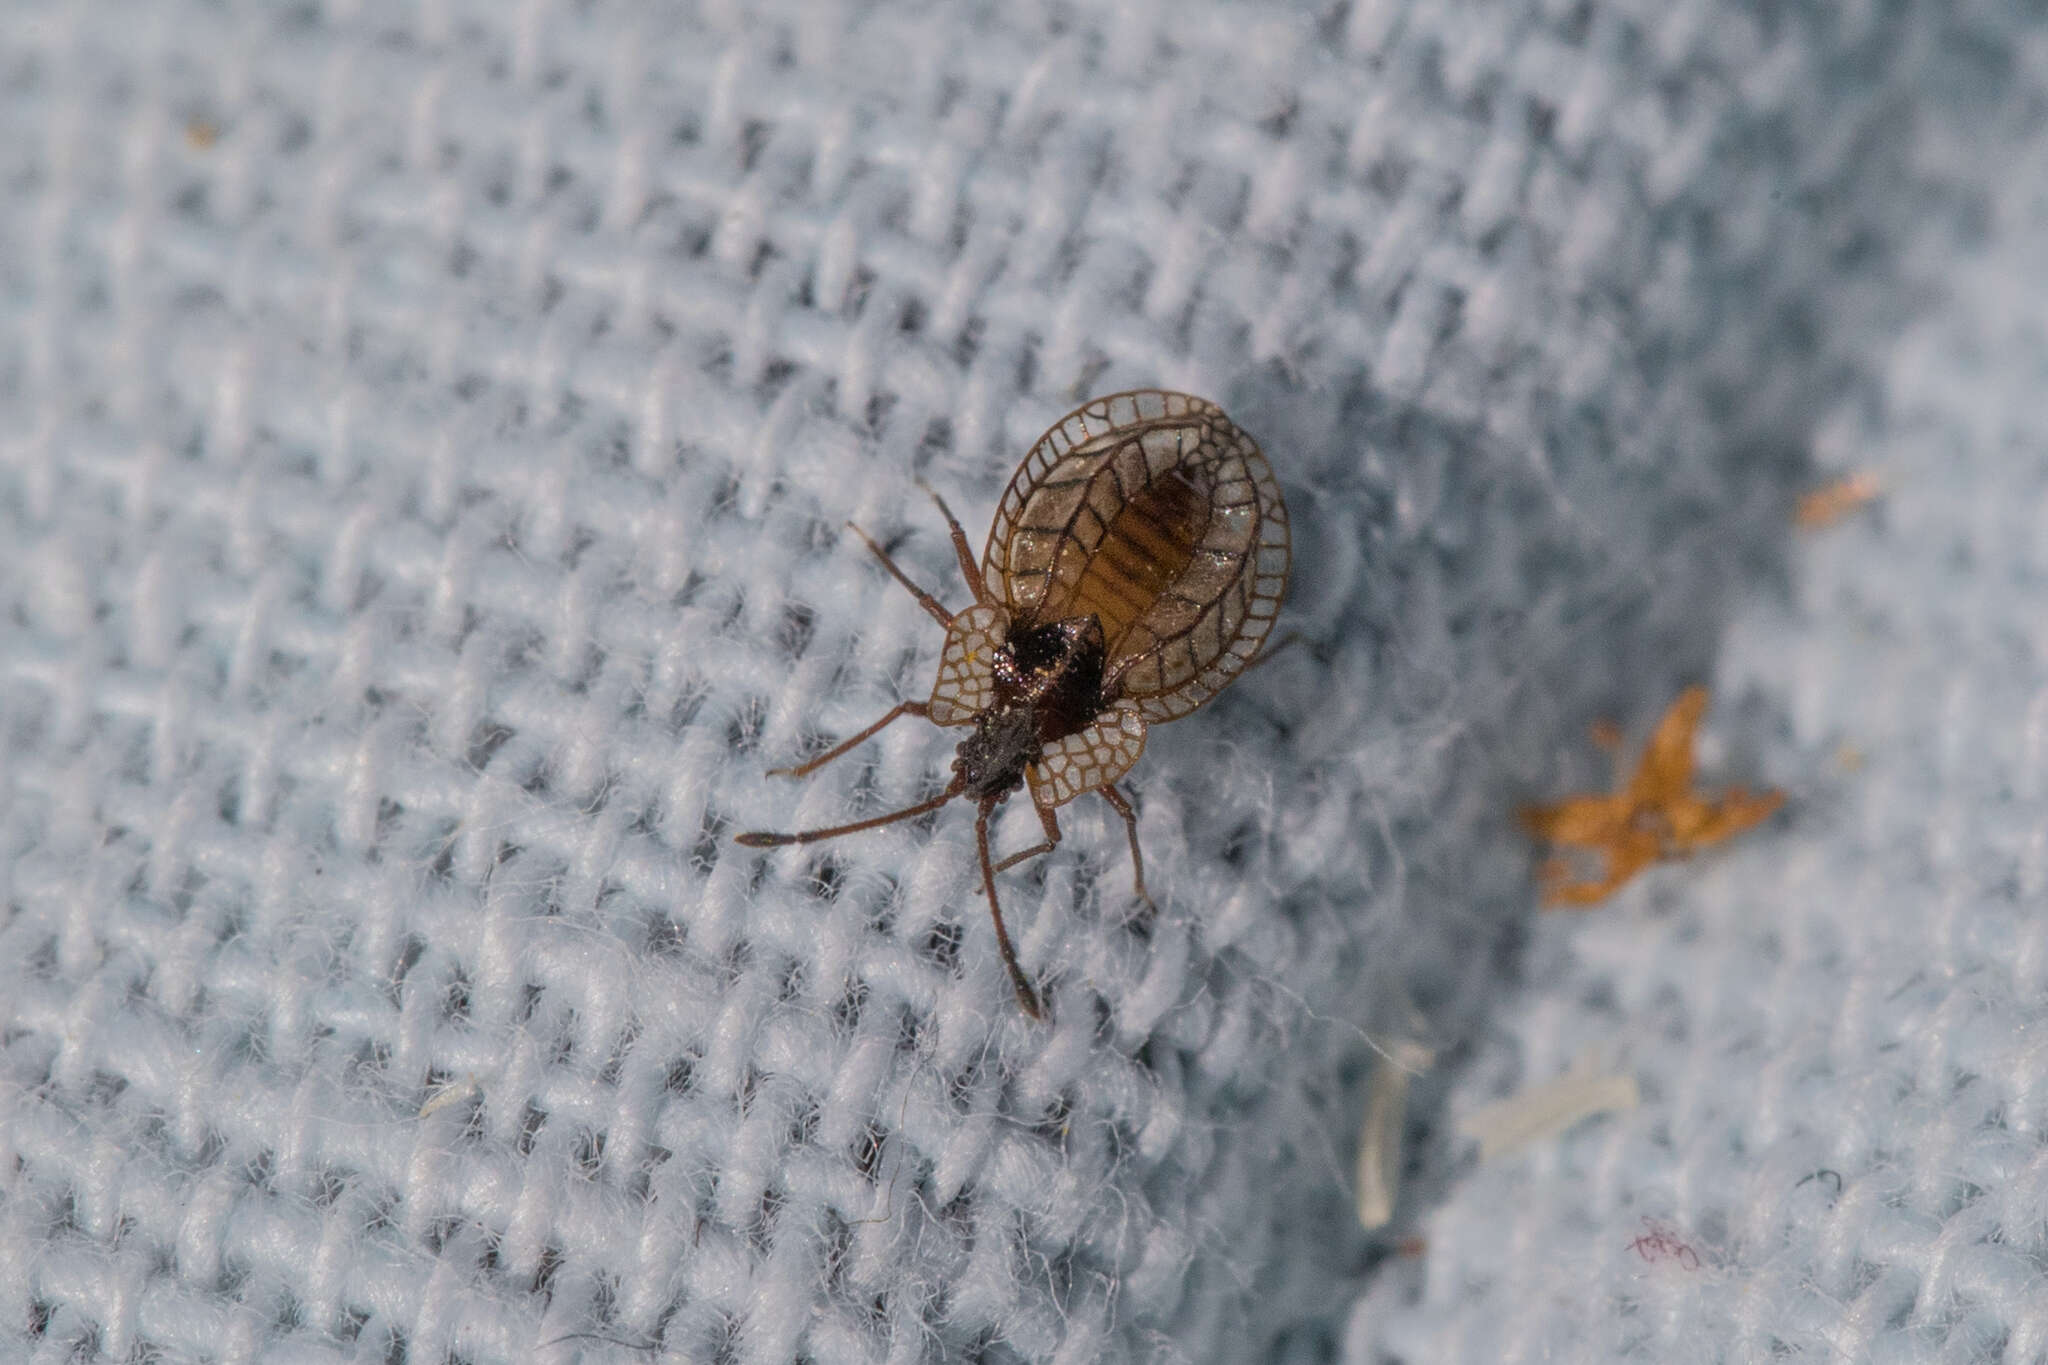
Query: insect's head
(990, 762)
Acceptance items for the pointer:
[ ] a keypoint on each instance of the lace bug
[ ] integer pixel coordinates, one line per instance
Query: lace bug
(1135, 566)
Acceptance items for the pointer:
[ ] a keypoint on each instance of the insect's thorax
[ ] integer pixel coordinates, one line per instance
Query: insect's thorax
(1048, 685)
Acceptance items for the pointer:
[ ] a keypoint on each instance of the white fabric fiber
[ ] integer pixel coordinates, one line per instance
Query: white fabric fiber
(426, 433)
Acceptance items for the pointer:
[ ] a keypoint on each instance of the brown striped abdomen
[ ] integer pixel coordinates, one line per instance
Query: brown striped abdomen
(1148, 543)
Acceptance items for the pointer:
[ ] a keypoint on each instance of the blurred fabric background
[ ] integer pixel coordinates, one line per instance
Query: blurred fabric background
(426, 433)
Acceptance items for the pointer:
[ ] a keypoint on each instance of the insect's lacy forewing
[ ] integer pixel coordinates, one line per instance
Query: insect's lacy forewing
(1091, 758)
(966, 684)
(1155, 513)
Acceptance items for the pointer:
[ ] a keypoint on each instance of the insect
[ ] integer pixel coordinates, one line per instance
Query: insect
(1135, 566)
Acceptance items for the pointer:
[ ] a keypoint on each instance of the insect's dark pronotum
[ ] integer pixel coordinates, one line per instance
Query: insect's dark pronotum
(1136, 565)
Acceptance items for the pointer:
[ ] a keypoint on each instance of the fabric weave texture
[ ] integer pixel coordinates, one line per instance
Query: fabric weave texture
(426, 435)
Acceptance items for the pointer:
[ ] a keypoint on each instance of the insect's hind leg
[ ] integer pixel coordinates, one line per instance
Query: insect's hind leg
(969, 570)
(1123, 808)
(762, 838)
(924, 599)
(904, 708)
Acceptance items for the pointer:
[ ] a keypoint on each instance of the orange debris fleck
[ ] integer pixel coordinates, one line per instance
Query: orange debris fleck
(1828, 504)
(1652, 815)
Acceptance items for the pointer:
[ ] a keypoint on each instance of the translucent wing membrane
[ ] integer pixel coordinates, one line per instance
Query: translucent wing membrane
(1091, 759)
(966, 684)
(1154, 513)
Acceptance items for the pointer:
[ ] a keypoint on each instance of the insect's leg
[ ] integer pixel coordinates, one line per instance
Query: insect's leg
(905, 708)
(1292, 637)
(1123, 808)
(924, 599)
(968, 569)
(763, 839)
(1026, 997)
(1052, 838)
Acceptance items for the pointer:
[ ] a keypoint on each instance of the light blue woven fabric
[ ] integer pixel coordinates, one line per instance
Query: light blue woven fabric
(1838, 1025)
(425, 438)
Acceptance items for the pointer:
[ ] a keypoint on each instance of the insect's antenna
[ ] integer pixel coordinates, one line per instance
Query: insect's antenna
(759, 839)
(1026, 997)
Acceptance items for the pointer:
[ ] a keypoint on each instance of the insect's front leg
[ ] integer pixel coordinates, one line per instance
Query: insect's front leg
(906, 708)
(1026, 997)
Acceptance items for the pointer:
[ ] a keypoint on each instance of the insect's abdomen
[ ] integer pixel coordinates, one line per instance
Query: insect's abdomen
(1146, 546)
(1106, 531)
